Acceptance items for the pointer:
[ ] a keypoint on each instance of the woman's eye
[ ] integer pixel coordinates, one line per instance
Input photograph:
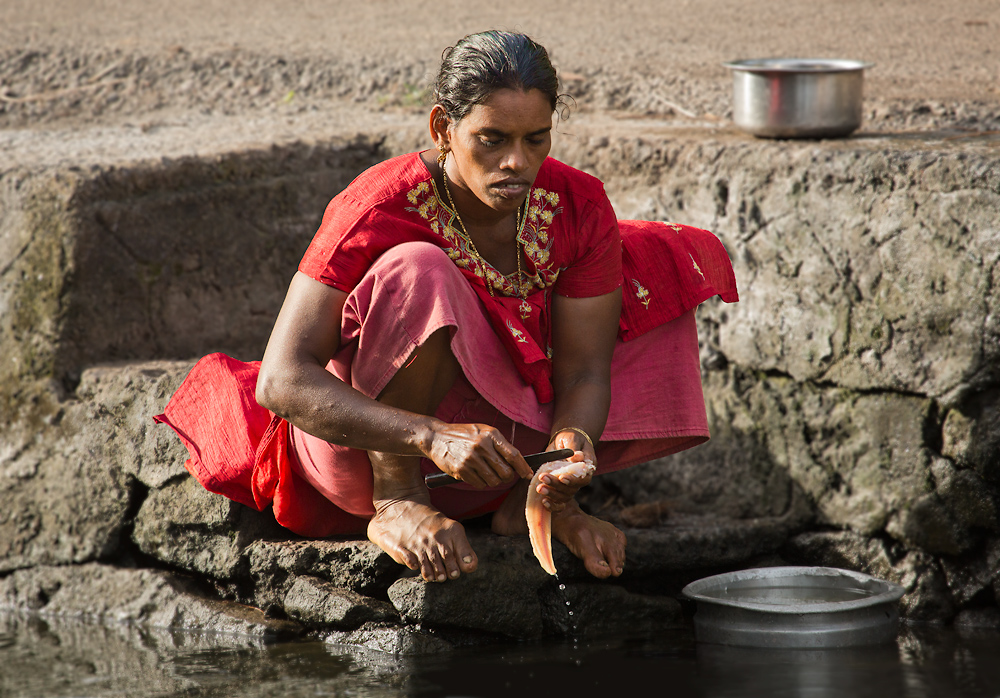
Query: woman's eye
(491, 142)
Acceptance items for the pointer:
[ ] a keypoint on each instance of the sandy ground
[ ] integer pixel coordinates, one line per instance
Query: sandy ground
(115, 81)
(936, 49)
(933, 52)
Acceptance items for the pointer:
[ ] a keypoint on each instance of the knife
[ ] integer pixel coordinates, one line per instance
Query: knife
(534, 460)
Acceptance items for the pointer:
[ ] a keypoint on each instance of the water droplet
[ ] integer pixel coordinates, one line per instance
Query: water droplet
(570, 615)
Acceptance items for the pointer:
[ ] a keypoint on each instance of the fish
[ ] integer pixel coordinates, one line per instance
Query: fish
(539, 518)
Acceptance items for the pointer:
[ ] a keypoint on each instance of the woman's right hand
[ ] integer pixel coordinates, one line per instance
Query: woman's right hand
(477, 454)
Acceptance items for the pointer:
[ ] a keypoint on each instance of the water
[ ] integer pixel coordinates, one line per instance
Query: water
(788, 595)
(574, 629)
(66, 658)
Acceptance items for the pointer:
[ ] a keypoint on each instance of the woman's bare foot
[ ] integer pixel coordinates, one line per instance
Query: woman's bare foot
(405, 524)
(598, 543)
(419, 536)
(509, 519)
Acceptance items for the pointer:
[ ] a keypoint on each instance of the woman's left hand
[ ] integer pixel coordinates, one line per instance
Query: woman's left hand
(558, 491)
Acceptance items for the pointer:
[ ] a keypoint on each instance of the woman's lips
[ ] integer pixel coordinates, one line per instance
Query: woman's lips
(511, 188)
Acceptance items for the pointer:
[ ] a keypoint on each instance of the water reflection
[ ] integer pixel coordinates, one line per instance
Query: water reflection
(826, 673)
(63, 658)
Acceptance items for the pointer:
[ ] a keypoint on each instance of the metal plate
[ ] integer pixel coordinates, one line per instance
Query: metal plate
(795, 607)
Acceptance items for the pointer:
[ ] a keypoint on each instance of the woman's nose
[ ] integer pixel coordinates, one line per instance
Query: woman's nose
(515, 159)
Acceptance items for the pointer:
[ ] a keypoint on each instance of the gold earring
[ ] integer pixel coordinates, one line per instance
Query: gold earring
(442, 155)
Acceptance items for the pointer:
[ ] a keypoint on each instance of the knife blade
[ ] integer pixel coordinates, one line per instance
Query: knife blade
(433, 480)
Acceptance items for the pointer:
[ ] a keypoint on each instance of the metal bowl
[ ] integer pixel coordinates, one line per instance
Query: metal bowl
(812, 607)
(797, 97)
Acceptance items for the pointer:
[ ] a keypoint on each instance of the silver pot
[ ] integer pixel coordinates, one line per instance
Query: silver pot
(806, 607)
(797, 97)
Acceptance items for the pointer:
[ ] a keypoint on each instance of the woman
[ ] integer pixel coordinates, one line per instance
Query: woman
(457, 308)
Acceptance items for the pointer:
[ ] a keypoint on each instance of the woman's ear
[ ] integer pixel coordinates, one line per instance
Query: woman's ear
(439, 123)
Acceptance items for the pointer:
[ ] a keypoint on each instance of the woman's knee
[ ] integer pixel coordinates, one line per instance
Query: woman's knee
(427, 376)
(420, 256)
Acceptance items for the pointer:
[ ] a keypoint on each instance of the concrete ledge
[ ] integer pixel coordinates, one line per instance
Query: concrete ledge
(155, 260)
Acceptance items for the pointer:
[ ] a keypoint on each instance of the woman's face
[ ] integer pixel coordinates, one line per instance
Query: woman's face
(497, 148)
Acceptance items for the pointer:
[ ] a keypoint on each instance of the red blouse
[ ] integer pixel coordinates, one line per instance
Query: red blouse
(570, 239)
(572, 242)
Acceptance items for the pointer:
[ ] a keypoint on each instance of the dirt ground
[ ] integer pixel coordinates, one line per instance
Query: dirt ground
(70, 65)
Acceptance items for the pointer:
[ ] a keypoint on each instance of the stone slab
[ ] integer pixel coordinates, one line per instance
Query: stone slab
(106, 593)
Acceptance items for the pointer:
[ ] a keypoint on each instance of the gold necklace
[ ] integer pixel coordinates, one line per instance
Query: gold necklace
(522, 214)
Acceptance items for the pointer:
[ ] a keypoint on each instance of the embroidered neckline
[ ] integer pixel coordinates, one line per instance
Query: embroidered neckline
(534, 237)
(520, 220)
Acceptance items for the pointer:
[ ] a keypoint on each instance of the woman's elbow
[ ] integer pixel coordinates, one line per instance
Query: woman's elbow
(268, 392)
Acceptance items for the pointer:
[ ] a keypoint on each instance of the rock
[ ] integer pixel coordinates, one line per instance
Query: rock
(971, 435)
(494, 599)
(188, 527)
(94, 270)
(693, 542)
(318, 603)
(858, 265)
(69, 485)
(501, 596)
(355, 565)
(969, 499)
(605, 609)
(973, 574)
(114, 594)
(119, 401)
(927, 596)
(392, 641)
(60, 503)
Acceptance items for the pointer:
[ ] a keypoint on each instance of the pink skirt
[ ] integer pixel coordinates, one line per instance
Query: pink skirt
(413, 290)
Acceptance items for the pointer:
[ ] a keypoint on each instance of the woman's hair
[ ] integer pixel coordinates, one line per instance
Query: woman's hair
(480, 64)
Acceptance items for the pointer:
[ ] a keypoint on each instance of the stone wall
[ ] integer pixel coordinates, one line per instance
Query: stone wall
(863, 359)
(161, 259)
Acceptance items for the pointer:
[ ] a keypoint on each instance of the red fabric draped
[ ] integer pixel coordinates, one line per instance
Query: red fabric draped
(240, 450)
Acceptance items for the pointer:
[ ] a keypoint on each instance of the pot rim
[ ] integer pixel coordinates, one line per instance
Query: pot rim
(884, 591)
(797, 65)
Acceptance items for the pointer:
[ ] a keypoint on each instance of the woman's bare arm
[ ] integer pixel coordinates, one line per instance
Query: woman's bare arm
(295, 384)
(584, 331)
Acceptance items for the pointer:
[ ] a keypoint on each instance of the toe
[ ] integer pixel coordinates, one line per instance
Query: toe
(599, 568)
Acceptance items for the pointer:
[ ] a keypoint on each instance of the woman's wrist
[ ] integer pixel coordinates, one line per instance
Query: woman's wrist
(573, 437)
(576, 430)
(424, 433)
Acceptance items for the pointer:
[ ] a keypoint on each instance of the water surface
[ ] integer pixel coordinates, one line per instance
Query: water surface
(69, 658)
(788, 595)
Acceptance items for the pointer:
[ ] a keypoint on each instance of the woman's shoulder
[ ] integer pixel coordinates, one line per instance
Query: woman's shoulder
(559, 177)
(388, 179)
